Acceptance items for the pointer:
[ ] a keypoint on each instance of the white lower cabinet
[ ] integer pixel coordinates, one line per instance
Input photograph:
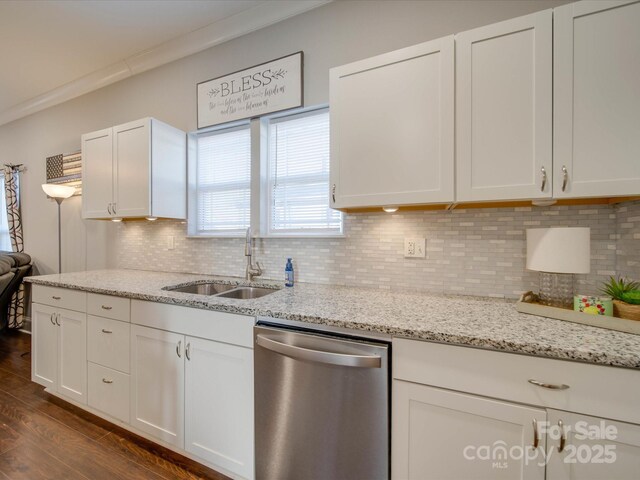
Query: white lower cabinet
(464, 413)
(440, 434)
(584, 448)
(60, 351)
(193, 393)
(157, 383)
(219, 404)
(109, 391)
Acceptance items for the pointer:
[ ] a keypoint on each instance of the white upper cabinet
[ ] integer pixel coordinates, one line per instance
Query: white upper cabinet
(132, 148)
(392, 128)
(97, 174)
(504, 110)
(596, 99)
(138, 169)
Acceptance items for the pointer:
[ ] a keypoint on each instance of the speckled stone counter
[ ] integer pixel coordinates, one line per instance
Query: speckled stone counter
(478, 322)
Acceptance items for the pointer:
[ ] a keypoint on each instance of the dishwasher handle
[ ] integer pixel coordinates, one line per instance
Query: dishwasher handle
(317, 356)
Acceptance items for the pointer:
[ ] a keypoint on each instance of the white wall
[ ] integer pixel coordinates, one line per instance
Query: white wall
(332, 35)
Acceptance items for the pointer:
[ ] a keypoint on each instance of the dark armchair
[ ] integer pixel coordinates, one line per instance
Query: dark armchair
(13, 268)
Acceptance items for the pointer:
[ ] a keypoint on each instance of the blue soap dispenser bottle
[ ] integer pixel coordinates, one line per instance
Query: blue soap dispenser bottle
(288, 274)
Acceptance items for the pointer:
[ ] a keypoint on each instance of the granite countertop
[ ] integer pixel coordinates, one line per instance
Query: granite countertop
(478, 322)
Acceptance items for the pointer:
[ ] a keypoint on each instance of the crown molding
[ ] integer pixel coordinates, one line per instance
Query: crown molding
(216, 33)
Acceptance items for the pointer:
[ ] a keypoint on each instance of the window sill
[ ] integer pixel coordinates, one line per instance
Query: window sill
(271, 236)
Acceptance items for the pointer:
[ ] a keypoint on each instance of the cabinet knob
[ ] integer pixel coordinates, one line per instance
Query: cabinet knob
(544, 179)
(104, 307)
(106, 331)
(565, 177)
(106, 380)
(56, 297)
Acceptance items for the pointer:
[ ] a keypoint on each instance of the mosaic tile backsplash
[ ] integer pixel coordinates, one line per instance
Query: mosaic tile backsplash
(471, 252)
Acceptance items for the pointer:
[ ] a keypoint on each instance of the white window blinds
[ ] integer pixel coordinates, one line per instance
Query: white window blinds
(223, 182)
(298, 176)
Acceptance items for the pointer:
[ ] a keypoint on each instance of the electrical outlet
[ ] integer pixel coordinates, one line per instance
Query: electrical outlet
(415, 248)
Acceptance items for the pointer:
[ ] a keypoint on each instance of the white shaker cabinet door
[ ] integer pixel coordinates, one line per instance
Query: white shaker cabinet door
(609, 449)
(444, 435)
(132, 157)
(72, 354)
(392, 128)
(44, 340)
(97, 174)
(219, 404)
(596, 99)
(504, 110)
(157, 383)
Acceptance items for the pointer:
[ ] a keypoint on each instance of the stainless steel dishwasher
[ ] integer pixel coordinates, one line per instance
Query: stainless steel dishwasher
(321, 406)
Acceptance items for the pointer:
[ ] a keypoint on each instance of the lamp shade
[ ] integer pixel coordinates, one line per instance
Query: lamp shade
(58, 191)
(559, 250)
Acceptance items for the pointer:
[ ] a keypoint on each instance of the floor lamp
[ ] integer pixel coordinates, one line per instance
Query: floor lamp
(59, 193)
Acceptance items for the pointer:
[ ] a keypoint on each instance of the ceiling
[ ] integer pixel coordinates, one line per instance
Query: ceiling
(50, 47)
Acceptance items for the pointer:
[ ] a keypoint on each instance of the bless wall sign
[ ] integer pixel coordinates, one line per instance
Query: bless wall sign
(266, 88)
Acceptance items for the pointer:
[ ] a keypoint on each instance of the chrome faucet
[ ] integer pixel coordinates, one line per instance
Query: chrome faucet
(252, 270)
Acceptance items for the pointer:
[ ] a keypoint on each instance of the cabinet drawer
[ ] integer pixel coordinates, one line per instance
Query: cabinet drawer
(597, 390)
(60, 297)
(109, 391)
(108, 343)
(109, 306)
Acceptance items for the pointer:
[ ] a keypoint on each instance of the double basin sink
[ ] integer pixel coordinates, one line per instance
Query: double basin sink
(223, 290)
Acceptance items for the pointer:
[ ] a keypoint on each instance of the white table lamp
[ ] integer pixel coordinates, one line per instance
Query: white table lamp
(558, 253)
(58, 193)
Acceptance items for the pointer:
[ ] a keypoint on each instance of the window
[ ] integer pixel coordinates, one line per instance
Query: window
(298, 176)
(223, 182)
(5, 239)
(289, 193)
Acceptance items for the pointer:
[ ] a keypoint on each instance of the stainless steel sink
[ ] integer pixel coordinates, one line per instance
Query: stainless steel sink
(203, 288)
(246, 293)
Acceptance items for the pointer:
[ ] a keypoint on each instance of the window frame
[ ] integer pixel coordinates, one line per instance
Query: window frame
(267, 211)
(192, 180)
(260, 210)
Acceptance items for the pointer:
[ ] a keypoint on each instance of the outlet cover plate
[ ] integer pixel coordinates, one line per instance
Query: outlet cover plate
(415, 247)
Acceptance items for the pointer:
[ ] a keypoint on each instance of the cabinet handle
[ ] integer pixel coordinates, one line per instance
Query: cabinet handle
(104, 380)
(57, 319)
(51, 318)
(333, 193)
(106, 331)
(55, 297)
(536, 438)
(544, 179)
(104, 307)
(114, 209)
(563, 438)
(178, 349)
(550, 386)
(565, 177)
(109, 208)
(187, 351)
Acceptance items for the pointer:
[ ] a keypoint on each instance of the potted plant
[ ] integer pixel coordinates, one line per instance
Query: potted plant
(626, 297)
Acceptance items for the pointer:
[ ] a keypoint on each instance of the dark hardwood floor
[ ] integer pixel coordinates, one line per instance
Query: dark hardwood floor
(43, 437)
